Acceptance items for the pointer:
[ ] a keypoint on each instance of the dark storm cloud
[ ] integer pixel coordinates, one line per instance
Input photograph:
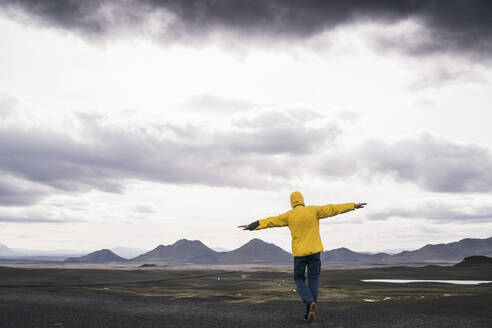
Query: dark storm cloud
(272, 18)
(453, 25)
(430, 161)
(256, 150)
(456, 25)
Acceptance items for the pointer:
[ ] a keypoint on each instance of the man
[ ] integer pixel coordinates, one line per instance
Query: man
(303, 222)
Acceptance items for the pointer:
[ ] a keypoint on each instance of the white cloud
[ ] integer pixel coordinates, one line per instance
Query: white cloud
(429, 160)
(450, 209)
(35, 215)
(93, 151)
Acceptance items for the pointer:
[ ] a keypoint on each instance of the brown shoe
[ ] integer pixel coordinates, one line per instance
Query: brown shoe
(311, 316)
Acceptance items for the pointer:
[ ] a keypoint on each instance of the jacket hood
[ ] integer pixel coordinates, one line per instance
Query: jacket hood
(296, 199)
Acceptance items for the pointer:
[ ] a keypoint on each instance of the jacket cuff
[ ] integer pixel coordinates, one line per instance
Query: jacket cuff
(253, 225)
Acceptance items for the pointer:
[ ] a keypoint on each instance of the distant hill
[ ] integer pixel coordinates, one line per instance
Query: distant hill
(182, 251)
(6, 252)
(474, 261)
(146, 265)
(61, 253)
(450, 252)
(101, 256)
(28, 255)
(256, 251)
(343, 255)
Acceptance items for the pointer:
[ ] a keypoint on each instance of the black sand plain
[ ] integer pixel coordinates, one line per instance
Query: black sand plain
(68, 297)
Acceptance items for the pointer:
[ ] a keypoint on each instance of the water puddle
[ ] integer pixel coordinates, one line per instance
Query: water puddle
(404, 281)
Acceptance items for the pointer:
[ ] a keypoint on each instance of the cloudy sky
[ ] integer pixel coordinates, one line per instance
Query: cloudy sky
(137, 123)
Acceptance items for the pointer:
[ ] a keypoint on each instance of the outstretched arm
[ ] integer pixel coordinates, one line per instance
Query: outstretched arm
(274, 221)
(334, 209)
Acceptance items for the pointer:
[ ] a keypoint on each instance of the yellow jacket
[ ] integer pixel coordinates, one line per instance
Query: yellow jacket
(303, 222)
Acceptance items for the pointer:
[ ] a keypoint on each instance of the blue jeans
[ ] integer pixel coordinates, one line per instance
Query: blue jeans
(309, 292)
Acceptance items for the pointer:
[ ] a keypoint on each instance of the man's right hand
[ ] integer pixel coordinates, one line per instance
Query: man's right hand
(251, 226)
(360, 205)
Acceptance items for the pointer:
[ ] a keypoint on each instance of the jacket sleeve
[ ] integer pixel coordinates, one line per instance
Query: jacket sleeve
(274, 221)
(333, 209)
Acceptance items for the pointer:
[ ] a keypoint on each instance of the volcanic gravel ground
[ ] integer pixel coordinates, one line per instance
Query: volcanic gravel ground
(61, 297)
(75, 308)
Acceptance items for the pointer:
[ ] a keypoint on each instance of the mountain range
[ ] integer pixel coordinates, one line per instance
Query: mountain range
(194, 251)
(448, 253)
(256, 251)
